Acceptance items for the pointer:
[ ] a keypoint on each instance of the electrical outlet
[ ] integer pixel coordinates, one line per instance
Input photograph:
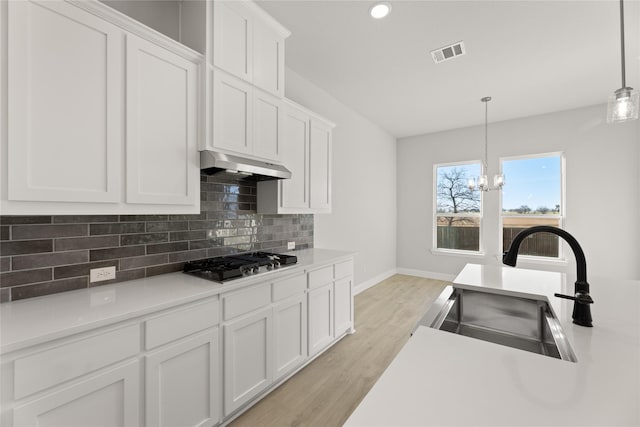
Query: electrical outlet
(291, 245)
(101, 274)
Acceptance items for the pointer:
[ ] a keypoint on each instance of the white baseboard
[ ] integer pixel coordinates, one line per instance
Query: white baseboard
(426, 274)
(373, 281)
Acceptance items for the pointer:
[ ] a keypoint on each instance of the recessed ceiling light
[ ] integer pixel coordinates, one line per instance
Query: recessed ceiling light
(380, 10)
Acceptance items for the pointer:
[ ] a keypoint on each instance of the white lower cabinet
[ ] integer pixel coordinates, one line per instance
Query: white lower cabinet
(290, 334)
(320, 318)
(342, 306)
(108, 399)
(247, 358)
(183, 384)
(330, 304)
(172, 367)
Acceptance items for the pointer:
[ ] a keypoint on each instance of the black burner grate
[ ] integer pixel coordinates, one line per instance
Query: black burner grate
(230, 267)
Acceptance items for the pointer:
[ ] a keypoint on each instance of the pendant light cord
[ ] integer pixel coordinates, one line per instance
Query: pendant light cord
(486, 118)
(624, 83)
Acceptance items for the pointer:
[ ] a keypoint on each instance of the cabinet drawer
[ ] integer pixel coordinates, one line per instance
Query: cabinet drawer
(246, 300)
(180, 323)
(321, 276)
(344, 269)
(57, 365)
(289, 287)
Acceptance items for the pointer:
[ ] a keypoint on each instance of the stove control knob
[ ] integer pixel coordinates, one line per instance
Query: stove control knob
(256, 270)
(269, 267)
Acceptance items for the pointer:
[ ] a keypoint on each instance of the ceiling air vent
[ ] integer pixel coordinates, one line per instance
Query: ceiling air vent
(448, 52)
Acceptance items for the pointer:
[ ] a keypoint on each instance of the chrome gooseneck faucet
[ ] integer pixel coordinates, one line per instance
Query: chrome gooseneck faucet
(582, 299)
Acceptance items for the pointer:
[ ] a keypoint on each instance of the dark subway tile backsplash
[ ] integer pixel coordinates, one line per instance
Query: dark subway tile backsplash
(74, 243)
(46, 288)
(116, 228)
(28, 262)
(16, 278)
(23, 232)
(41, 255)
(4, 232)
(25, 247)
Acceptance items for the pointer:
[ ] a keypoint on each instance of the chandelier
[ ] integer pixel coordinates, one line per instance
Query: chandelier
(481, 182)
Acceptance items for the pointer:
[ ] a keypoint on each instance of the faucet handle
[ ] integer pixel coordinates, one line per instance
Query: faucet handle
(579, 297)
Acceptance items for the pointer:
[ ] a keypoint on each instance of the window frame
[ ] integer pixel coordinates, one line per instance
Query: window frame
(434, 225)
(561, 216)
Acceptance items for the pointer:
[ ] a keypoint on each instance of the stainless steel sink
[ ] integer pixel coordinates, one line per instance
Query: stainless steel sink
(523, 323)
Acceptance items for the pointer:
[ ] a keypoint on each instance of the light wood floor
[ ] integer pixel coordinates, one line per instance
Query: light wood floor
(329, 389)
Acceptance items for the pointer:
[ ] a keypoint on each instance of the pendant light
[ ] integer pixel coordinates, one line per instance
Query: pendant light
(482, 182)
(624, 103)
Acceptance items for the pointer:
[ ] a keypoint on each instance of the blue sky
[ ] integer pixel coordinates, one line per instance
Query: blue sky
(532, 182)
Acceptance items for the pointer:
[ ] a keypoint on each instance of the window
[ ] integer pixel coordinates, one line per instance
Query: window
(458, 209)
(533, 196)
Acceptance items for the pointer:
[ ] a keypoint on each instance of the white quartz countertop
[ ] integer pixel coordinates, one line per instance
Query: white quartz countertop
(440, 378)
(35, 320)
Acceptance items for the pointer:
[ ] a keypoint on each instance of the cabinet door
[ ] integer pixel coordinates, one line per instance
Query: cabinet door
(232, 113)
(64, 104)
(247, 358)
(267, 125)
(320, 166)
(295, 191)
(268, 59)
(320, 309)
(182, 382)
(108, 399)
(342, 306)
(290, 334)
(232, 38)
(162, 114)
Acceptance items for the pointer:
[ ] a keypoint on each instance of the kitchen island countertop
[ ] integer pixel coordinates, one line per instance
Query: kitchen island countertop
(440, 378)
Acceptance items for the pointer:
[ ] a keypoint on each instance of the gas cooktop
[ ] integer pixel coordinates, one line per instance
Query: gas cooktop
(222, 269)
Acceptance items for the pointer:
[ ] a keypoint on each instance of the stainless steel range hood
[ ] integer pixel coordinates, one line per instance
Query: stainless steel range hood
(213, 162)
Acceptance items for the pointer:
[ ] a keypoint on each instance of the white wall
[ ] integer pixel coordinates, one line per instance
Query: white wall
(161, 15)
(602, 188)
(363, 217)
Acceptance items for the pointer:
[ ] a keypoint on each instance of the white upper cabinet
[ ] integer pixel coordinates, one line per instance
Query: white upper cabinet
(232, 38)
(162, 126)
(64, 104)
(246, 81)
(295, 191)
(267, 125)
(102, 113)
(320, 166)
(249, 43)
(306, 148)
(246, 120)
(268, 58)
(232, 113)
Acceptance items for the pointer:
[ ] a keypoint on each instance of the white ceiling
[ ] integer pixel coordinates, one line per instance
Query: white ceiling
(532, 57)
